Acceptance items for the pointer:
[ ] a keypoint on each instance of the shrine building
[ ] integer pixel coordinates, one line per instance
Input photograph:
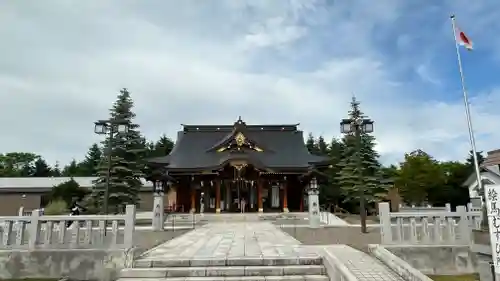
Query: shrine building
(266, 166)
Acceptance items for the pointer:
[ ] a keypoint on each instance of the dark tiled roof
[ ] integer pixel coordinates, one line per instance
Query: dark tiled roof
(283, 147)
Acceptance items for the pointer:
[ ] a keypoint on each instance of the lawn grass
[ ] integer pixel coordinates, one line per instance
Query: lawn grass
(465, 277)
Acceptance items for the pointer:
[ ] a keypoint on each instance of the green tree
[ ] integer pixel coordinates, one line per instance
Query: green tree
(470, 160)
(56, 171)
(330, 193)
(68, 192)
(322, 146)
(71, 170)
(127, 152)
(89, 166)
(311, 144)
(41, 168)
(370, 183)
(160, 148)
(451, 189)
(17, 164)
(419, 174)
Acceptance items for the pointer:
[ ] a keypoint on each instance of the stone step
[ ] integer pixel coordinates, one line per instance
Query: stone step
(223, 271)
(237, 278)
(235, 261)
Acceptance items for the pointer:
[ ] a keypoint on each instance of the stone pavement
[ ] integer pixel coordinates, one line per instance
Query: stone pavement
(241, 249)
(363, 266)
(222, 240)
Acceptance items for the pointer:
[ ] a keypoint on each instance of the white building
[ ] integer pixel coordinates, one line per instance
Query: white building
(490, 174)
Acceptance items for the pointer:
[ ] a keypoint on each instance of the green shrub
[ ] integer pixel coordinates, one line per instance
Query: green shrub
(57, 207)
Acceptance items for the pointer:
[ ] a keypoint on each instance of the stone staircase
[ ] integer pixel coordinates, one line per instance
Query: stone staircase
(233, 268)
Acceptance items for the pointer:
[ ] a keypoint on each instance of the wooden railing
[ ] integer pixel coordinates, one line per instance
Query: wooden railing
(89, 231)
(427, 228)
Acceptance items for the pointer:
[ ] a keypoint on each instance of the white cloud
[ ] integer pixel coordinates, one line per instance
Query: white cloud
(63, 65)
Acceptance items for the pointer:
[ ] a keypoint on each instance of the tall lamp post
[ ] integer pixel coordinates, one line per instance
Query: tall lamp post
(357, 126)
(109, 128)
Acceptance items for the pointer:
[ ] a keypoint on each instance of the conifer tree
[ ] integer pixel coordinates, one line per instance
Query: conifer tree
(322, 146)
(330, 193)
(127, 152)
(89, 166)
(311, 144)
(351, 184)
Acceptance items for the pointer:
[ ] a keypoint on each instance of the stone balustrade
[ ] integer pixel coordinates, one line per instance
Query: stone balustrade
(428, 228)
(52, 232)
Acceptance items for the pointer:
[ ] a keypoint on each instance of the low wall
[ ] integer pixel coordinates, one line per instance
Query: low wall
(398, 265)
(437, 260)
(82, 264)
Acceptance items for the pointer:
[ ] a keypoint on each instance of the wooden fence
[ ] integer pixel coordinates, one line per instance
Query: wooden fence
(428, 228)
(89, 231)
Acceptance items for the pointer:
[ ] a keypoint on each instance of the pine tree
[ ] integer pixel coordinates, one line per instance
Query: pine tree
(71, 170)
(41, 168)
(89, 166)
(163, 146)
(127, 151)
(56, 171)
(160, 148)
(330, 193)
(311, 144)
(322, 146)
(370, 183)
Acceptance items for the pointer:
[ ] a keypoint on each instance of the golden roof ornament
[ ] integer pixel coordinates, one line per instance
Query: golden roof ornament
(240, 139)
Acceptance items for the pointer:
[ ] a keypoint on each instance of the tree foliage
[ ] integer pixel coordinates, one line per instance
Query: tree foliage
(352, 180)
(127, 154)
(68, 192)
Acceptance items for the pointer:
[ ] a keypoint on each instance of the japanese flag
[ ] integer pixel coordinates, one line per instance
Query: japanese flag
(463, 39)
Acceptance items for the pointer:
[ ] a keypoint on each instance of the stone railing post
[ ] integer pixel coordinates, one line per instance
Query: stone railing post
(448, 207)
(34, 230)
(463, 225)
(385, 223)
(129, 229)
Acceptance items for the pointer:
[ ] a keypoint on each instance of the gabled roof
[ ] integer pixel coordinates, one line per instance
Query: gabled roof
(283, 147)
(472, 178)
(493, 158)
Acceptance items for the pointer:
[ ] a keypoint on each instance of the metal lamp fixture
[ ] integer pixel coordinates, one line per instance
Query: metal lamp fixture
(158, 187)
(313, 186)
(349, 126)
(102, 127)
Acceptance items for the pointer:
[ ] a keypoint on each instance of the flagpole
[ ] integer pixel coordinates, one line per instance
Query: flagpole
(467, 108)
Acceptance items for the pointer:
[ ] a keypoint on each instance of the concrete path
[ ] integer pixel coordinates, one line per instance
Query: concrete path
(226, 240)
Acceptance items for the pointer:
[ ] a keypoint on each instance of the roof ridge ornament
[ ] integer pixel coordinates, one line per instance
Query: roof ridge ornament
(240, 139)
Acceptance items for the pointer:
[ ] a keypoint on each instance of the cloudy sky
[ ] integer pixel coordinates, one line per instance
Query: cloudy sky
(63, 62)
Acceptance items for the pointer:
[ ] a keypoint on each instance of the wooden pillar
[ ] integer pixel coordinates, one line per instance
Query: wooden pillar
(217, 196)
(285, 196)
(193, 199)
(259, 195)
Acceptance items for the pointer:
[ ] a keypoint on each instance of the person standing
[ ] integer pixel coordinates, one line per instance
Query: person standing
(243, 204)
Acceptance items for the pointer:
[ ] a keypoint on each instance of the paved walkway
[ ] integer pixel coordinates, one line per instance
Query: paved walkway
(222, 240)
(362, 265)
(264, 240)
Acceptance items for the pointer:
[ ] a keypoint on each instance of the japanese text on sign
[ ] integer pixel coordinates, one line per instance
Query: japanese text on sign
(493, 207)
